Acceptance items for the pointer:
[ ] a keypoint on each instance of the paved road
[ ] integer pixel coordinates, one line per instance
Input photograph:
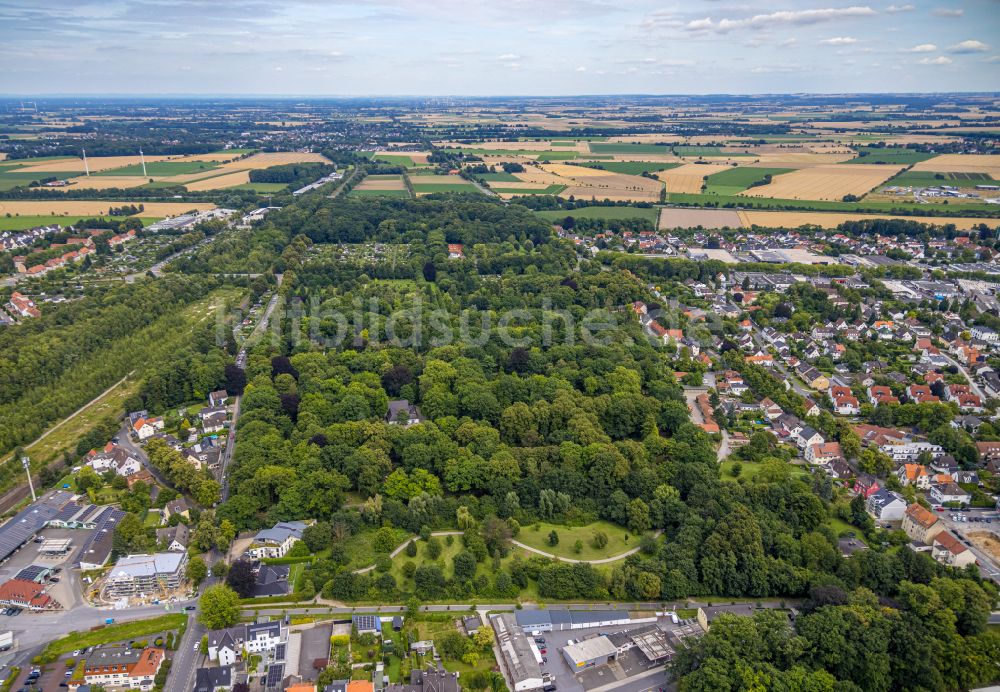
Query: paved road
(185, 663)
(967, 375)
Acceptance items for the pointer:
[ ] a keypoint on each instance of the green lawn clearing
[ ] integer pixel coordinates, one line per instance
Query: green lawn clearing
(113, 633)
(537, 536)
(261, 187)
(379, 193)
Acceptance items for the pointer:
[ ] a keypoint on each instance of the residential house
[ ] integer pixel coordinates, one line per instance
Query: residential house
(30, 595)
(920, 524)
(824, 453)
(807, 437)
(257, 638)
(217, 679)
(145, 428)
(813, 377)
(949, 492)
(402, 412)
(178, 507)
(114, 458)
(886, 505)
(916, 475)
(174, 538)
(771, 410)
(123, 668)
(948, 550)
(880, 394)
(216, 399)
(214, 422)
(911, 451)
(276, 541)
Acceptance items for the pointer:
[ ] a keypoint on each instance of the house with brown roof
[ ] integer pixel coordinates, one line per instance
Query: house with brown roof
(122, 668)
(948, 550)
(914, 474)
(920, 524)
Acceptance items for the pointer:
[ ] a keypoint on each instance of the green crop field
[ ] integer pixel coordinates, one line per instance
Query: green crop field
(500, 178)
(159, 169)
(735, 201)
(557, 155)
(443, 187)
(396, 159)
(379, 193)
(626, 148)
(650, 214)
(737, 180)
(261, 187)
(630, 167)
(930, 179)
(703, 151)
(550, 190)
(889, 155)
(11, 177)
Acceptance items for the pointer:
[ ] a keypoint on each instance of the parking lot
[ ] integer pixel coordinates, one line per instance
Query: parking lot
(631, 664)
(65, 590)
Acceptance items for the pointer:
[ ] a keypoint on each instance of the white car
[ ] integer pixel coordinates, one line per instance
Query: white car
(197, 645)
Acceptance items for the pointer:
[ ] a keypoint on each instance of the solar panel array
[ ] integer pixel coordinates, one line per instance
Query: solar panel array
(279, 652)
(32, 573)
(275, 674)
(29, 521)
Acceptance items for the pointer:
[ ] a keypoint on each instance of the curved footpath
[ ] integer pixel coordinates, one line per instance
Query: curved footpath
(524, 546)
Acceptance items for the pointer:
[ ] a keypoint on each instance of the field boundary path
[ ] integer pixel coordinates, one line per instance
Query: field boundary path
(600, 561)
(402, 546)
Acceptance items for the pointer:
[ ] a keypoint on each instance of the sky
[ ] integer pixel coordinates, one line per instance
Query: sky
(502, 47)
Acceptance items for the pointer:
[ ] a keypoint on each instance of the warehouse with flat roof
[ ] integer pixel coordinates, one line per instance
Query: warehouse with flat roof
(560, 619)
(596, 651)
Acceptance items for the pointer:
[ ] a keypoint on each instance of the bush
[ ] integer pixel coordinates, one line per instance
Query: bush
(383, 563)
(409, 569)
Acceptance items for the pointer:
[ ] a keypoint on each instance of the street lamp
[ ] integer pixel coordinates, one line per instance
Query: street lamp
(26, 463)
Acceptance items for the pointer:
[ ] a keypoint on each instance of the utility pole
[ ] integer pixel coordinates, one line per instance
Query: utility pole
(26, 463)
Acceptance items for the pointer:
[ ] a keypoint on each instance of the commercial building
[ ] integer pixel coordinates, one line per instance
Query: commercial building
(558, 619)
(520, 659)
(147, 574)
(596, 651)
(920, 524)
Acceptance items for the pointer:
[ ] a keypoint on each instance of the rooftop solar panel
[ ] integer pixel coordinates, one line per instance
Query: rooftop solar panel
(275, 672)
(279, 652)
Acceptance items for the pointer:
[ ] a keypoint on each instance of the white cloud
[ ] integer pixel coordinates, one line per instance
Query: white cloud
(969, 46)
(893, 9)
(509, 56)
(581, 68)
(839, 41)
(784, 17)
(939, 60)
(922, 48)
(949, 12)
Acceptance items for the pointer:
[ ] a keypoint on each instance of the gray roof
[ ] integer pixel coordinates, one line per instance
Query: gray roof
(207, 679)
(280, 532)
(26, 523)
(590, 649)
(148, 565)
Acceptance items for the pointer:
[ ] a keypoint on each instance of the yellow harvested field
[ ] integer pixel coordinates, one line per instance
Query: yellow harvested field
(219, 182)
(794, 219)
(802, 159)
(97, 208)
(95, 163)
(522, 186)
(963, 163)
(573, 172)
(831, 182)
(538, 177)
(3, 155)
(689, 178)
(382, 184)
(103, 182)
(274, 158)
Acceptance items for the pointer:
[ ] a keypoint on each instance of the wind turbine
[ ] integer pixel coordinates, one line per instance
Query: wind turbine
(85, 166)
(143, 159)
